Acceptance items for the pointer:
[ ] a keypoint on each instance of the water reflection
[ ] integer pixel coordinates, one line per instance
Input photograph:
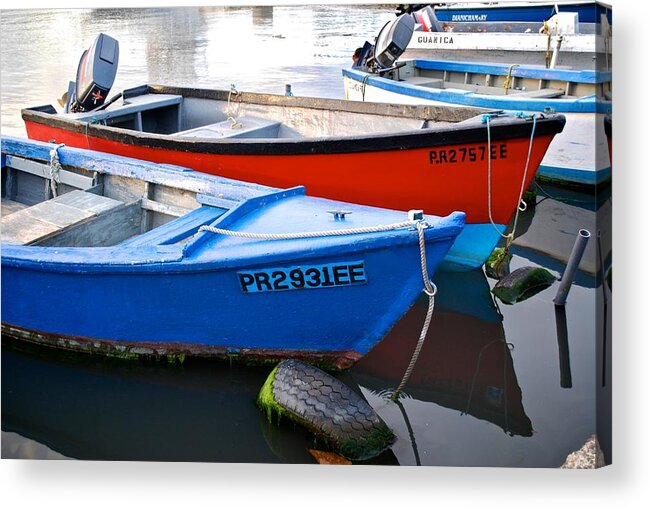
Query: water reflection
(465, 363)
(104, 409)
(257, 48)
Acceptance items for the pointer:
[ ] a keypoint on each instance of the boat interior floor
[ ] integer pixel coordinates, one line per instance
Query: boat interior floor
(438, 83)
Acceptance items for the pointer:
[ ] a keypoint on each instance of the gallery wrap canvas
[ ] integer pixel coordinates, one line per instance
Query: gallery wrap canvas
(488, 125)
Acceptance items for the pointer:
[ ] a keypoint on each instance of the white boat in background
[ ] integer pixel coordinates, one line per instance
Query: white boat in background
(560, 41)
(578, 155)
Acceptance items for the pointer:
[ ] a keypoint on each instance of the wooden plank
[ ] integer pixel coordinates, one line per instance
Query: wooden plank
(147, 218)
(108, 228)
(9, 206)
(176, 229)
(543, 93)
(56, 213)
(87, 201)
(133, 105)
(11, 184)
(155, 206)
(44, 220)
(217, 201)
(24, 230)
(43, 170)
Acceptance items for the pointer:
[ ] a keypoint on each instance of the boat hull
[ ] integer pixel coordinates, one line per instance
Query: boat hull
(399, 179)
(170, 309)
(578, 156)
(576, 51)
(588, 12)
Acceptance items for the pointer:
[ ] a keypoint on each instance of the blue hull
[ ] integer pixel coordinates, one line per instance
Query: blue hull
(573, 176)
(586, 104)
(589, 12)
(328, 299)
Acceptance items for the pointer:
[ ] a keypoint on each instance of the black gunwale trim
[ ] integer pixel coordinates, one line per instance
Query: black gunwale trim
(502, 128)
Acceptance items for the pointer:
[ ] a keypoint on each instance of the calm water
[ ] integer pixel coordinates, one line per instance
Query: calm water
(495, 385)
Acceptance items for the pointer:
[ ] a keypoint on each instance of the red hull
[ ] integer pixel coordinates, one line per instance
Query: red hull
(418, 178)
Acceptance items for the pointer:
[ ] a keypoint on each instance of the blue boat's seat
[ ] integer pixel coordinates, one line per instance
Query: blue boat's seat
(41, 223)
(176, 229)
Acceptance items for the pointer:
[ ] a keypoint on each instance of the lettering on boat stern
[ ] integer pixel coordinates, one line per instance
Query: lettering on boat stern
(469, 154)
(435, 39)
(351, 273)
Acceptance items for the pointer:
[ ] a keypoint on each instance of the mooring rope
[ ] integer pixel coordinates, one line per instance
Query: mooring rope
(231, 116)
(364, 81)
(507, 80)
(521, 205)
(55, 168)
(429, 288)
(546, 31)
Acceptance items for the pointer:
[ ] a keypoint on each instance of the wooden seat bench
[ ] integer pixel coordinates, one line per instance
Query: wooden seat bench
(177, 229)
(243, 127)
(38, 223)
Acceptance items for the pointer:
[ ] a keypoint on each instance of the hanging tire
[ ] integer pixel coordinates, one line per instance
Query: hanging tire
(327, 407)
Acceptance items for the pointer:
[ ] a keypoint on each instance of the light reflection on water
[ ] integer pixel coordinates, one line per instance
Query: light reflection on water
(487, 389)
(255, 48)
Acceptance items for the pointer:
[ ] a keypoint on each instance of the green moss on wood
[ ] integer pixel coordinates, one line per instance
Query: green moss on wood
(523, 283)
(498, 263)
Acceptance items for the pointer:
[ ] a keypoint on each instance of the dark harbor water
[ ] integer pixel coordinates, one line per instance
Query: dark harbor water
(495, 385)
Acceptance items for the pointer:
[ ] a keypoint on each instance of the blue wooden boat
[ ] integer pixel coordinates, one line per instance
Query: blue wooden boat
(104, 254)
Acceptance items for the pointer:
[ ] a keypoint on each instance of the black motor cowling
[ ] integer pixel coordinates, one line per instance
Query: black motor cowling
(95, 75)
(391, 42)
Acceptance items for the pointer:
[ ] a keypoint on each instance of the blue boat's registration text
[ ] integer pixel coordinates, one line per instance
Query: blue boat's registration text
(303, 277)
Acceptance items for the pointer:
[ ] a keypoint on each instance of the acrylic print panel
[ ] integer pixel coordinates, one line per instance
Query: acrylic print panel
(523, 385)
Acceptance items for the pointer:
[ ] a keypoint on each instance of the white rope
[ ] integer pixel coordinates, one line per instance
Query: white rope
(309, 234)
(232, 114)
(430, 291)
(55, 167)
(429, 287)
(520, 206)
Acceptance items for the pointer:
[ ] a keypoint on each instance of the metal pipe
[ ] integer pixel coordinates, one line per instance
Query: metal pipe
(557, 49)
(572, 266)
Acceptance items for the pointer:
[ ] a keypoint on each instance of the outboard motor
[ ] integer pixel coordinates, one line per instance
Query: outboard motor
(95, 76)
(391, 42)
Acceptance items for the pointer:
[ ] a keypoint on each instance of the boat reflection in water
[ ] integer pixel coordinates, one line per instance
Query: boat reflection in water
(96, 408)
(101, 409)
(465, 363)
